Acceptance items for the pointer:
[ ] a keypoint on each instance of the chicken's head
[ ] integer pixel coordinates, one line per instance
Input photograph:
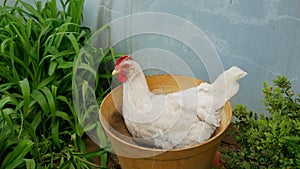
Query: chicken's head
(124, 68)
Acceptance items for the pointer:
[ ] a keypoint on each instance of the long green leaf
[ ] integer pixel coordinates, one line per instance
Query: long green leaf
(66, 65)
(32, 10)
(55, 133)
(45, 82)
(40, 98)
(6, 115)
(18, 153)
(25, 88)
(15, 164)
(5, 100)
(66, 117)
(50, 99)
(52, 68)
(88, 68)
(36, 121)
(74, 42)
(30, 163)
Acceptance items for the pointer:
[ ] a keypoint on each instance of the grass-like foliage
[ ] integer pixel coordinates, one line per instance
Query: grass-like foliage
(273, 141)
(39, 44)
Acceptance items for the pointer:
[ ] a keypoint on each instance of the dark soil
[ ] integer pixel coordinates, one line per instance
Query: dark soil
(228, 142)
(112, 158)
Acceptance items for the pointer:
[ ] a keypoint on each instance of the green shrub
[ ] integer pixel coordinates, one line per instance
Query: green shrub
(39, 44)
(269, 141)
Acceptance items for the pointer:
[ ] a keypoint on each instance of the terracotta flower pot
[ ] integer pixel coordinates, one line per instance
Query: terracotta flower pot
(216, 161)
(133, 156)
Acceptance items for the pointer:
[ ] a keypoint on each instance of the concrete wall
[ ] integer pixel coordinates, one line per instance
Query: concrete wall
(262, 37)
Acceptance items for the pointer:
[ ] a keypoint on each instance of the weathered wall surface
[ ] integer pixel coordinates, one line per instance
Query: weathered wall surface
(262, 37)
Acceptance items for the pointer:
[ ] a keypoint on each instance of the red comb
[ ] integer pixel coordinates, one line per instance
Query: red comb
(122, 58)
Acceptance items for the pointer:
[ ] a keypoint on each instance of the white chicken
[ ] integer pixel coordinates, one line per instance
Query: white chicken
(174, 120)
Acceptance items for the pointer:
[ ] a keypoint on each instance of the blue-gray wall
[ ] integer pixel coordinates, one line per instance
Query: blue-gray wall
(260, 36)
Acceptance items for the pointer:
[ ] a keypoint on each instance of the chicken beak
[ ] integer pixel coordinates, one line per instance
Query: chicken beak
(115, 72)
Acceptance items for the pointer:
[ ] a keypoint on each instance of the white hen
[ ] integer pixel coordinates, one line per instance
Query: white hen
(174, 120)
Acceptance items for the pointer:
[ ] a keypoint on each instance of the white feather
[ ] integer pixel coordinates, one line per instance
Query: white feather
(179, 119)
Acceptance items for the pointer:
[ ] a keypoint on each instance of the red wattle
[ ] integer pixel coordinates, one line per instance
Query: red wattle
(122, 78)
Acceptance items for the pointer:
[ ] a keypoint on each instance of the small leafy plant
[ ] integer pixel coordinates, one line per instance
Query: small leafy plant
(268, 141)
(39, 44)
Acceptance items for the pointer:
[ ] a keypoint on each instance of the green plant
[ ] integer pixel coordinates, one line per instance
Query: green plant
(39, 44)
(269, 141)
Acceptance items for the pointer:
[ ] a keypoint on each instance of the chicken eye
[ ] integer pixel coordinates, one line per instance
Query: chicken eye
(125, 68)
